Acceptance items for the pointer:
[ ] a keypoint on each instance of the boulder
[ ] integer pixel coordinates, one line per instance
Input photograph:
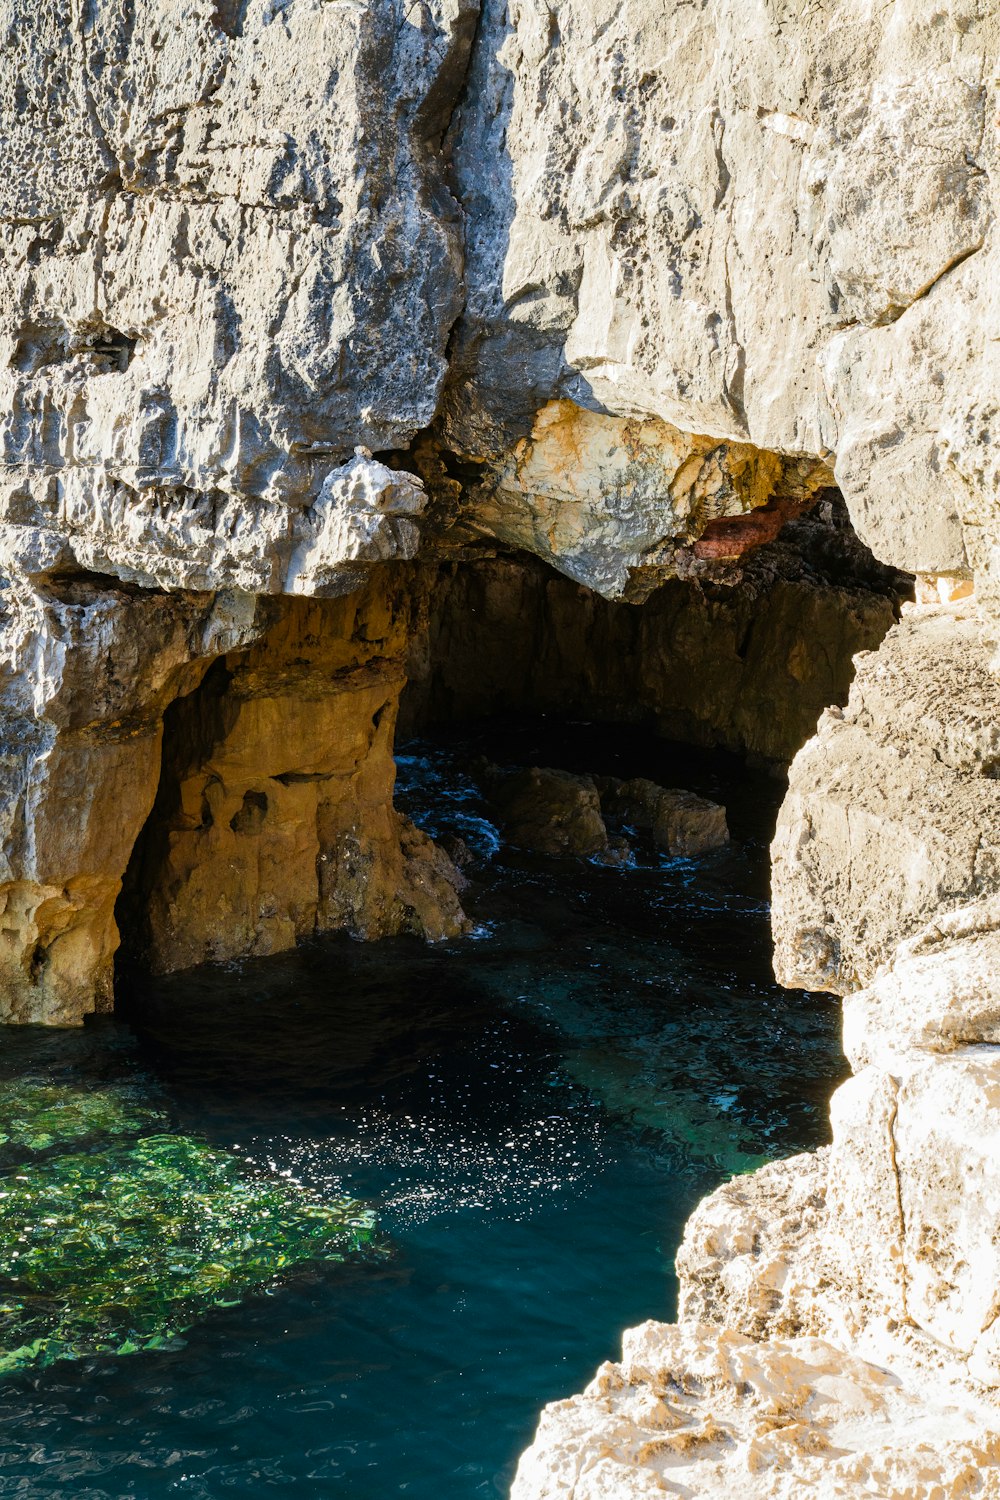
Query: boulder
(681, 822)
(551, 812)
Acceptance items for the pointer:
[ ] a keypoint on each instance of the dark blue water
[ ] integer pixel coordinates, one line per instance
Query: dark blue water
(534, 1111)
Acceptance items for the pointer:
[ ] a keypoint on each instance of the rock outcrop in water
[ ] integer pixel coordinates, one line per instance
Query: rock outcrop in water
(560, 813)
(295, 291)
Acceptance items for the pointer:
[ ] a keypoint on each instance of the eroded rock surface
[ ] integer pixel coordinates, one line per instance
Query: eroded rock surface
(699, 1410)
(624, 285)
(609, 500)
(230, 252)
(551, 811)
(363, 514)
(86, 674)
(893, 809)
(771, 224)
(274, 818)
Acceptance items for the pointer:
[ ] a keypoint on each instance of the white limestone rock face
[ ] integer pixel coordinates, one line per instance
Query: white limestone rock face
(772, 225)
(752, 1254)
(237, 237)
(897, 1226)
(229, 258)
(893, 810)
(364, 514)
(912, 1193)
(942, 989)
(703, 1410)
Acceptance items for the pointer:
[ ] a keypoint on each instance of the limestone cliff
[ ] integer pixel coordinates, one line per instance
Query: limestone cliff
(294, 291)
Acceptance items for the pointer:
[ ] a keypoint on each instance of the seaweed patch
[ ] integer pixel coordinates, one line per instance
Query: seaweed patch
(123, 1247)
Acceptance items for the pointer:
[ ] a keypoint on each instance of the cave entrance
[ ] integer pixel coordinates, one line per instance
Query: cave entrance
(273, 820)
(744, 656)
(274, 817)
(520, 1110)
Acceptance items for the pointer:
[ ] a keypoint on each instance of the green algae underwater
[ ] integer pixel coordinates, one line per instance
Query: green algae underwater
(114, 1240)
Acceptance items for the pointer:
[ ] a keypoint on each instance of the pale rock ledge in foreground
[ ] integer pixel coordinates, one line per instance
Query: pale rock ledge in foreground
(705, 1411)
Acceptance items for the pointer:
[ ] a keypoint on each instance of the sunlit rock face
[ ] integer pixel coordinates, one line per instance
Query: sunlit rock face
(886, 872)
(363, 514)
(893, 813)
(700, 1410)
(769, 225)
(616, 502)
(274, 817)
(887, 1241)
(230, 254)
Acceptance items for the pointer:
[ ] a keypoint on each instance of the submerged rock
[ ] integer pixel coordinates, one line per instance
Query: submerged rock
(36, 1115)
(124, 1246)
(681, 822)
(551, 812)
(558, 812)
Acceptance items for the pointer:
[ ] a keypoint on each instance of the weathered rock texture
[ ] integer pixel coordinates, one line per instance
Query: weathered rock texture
(621, 284)
(680, 822)
(274, 817)
(699, 1410)
(893, 810)
(607, 500)
(230, 253)
(559, 813)
(88, 674)
(636, 281)
(550, 811)
(772, 224)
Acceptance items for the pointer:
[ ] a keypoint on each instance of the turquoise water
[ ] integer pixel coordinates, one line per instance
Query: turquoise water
(532, 1113)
